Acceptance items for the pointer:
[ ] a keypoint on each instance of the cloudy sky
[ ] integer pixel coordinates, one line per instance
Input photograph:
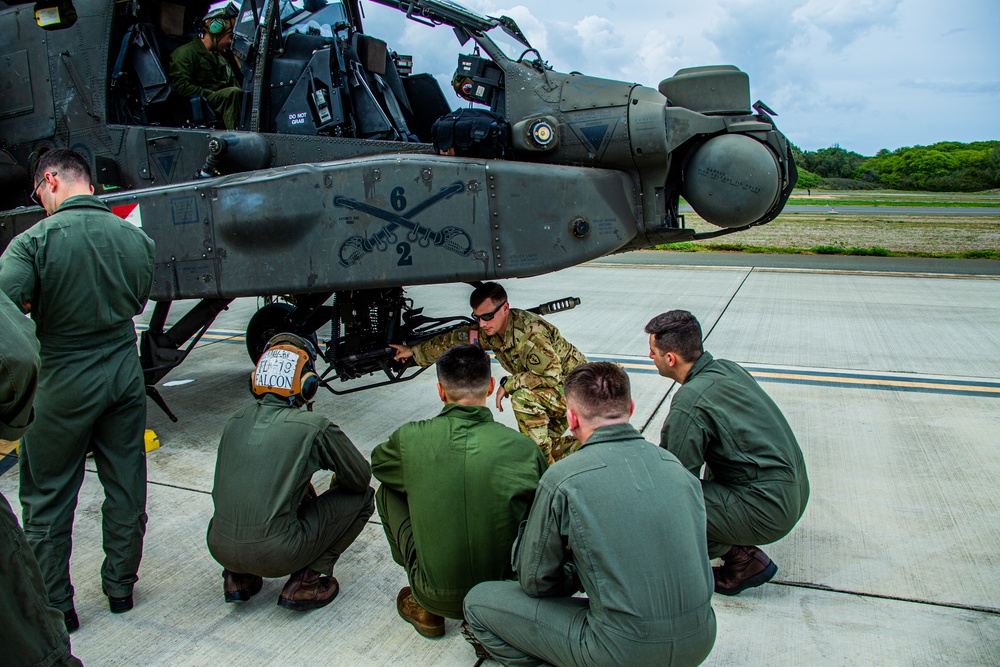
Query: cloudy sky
(864, 74)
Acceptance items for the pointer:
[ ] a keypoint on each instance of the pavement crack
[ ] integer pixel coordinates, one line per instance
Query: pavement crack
(883, 596)
(660, 403)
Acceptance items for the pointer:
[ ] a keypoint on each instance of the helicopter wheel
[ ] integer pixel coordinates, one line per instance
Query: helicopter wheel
(268, 322)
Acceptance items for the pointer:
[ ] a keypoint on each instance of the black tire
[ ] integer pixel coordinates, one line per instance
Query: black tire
(268, 322)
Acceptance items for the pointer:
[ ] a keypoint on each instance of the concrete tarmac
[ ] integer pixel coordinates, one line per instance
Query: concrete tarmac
(891, 382)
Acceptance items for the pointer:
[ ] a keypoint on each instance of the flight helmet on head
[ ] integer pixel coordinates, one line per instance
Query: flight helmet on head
(287, 369)
(220, 21)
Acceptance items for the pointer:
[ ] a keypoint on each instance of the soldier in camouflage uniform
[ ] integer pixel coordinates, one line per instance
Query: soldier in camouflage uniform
(531, 350)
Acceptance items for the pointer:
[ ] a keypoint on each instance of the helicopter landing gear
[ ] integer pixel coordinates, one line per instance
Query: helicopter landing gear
(272, 319)
(362, 323)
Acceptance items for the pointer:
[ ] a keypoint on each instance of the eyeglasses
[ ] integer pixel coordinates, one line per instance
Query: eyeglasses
(488, 317)
(34, 193)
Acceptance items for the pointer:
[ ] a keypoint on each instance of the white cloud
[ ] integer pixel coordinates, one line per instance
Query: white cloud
(866, 74)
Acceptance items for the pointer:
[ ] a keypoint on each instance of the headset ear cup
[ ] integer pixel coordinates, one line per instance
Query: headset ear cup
(310, 385)
(216, 26)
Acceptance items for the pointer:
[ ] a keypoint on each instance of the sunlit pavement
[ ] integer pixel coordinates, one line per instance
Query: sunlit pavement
(891, 383)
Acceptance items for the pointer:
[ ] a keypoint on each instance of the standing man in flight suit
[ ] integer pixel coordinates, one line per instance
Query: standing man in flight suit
(82, 273)
(268, 520)
(34, 633)
(199, 68)
(537, 357)
(755, 482)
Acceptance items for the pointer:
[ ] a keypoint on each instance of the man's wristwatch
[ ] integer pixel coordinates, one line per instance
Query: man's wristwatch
(503, 381)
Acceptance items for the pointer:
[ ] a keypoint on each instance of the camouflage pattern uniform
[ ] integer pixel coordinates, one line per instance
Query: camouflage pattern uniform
(537, 358)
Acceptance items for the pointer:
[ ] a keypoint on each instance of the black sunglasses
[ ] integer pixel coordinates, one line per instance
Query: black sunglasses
(34, 193)
(486, 317)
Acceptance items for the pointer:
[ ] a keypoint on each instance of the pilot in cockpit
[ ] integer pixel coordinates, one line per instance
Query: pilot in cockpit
(199, 68)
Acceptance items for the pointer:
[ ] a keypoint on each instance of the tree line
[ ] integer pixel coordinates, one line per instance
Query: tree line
(947, 166)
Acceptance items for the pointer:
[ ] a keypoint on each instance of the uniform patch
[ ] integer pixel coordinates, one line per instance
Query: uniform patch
(533, 359)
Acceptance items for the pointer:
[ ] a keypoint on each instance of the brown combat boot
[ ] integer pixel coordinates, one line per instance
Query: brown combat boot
(308, 589)
(423, 621)
(743, 567)
(481, 652)
(240, 587)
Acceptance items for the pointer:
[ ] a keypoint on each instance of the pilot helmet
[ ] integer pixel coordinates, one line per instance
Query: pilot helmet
(463, 87)
(287, 369)
(221, 20)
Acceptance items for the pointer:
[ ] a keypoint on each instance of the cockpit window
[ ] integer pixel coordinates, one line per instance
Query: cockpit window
(314, 17)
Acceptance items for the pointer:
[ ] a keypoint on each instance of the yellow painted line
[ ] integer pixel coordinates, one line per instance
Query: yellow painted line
(875, 382)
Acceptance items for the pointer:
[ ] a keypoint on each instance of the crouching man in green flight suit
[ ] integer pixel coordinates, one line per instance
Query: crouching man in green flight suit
(531, 350)
(454, 490)
(268, 520)
(621, 519)
(83, 273)
(755, 481)
(34, 633)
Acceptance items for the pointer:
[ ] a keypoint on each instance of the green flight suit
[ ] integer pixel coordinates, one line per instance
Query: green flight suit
(195, 71)
(622, 520)
(755, 485)
(33, 631)
(454, 489)
(538, 359)
(266, 521)
(84, 273)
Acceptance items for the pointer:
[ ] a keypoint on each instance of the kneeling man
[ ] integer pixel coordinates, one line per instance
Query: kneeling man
(621, 519)
(755, 482)
(268, 520)
(454, 490)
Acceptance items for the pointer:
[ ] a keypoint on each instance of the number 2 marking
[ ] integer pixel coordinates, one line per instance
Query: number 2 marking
(403, 249)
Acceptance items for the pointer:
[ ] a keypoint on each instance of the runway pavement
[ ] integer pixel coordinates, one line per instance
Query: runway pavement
(891, 382)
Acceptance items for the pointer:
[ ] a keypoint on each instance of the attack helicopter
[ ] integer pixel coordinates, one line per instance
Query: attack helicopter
(351, 177)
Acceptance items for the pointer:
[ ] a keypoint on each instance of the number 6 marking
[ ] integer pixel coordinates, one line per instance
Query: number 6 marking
(397, 199)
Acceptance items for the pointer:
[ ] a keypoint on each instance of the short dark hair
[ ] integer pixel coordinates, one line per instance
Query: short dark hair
(599, 390)
(464, 371)
(677, 331)
(69, 164)
(492, 291)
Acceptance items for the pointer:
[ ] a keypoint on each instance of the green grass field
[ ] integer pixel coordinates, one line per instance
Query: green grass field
(883, 234)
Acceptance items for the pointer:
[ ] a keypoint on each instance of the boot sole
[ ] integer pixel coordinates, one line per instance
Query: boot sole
(239, 596)
(761, 577)
(303, 605)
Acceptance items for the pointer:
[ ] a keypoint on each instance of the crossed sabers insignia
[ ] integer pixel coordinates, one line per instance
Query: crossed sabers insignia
(450, 238)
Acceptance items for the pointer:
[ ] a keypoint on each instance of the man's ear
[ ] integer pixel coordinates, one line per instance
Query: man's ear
(493, 385)
(572, 419)
(631, 409)
(671, 359)
(444, 398)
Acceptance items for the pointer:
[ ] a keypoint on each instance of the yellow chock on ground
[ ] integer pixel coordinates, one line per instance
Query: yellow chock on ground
(8, 446)
(152, 441)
